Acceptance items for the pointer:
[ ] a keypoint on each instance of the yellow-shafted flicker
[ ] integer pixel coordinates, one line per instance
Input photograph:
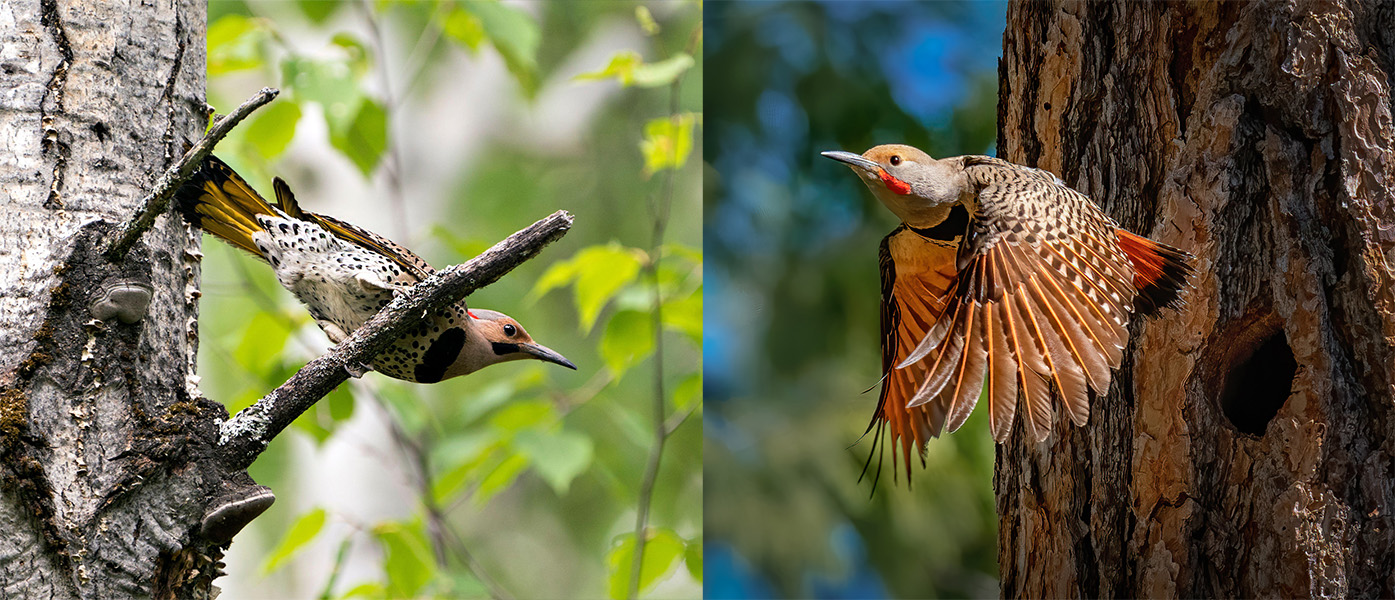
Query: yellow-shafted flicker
(345, 274)
(1000, 272)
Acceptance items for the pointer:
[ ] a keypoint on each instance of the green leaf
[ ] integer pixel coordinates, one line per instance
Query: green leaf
(301, 532)
(331, 84)
(244, 399)
(661, 73)
(558, 457)
(365, 138)
(311, 423)
(559, 274)
(409, 563)
(622, 66)
(685, 315)
(601, 271)
(461, 455)
(631, 70)
(340, 403)
(502, 476)
(272, 128)
(628, 339)
(662, 549)
(486, 400)
(355, 52)
(318, 11)
(667, 142)
(227, 30)
(262, 343)
(514, 33)
(371, 589)
(683, 253)
(234, 44)
(522, 415)
(692, 558)
(688, 393)
(635, 297)
(465, 28)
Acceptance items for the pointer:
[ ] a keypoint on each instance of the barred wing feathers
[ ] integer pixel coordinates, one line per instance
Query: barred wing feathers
(1044, 286)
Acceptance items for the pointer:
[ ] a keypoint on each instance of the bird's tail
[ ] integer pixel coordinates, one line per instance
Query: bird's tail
(1160, 272)
(220, 202)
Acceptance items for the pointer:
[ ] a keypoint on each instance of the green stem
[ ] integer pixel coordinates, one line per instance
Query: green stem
(660, 210)
(339, 558)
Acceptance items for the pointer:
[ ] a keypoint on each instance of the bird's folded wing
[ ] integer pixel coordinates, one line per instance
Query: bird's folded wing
(408, 260)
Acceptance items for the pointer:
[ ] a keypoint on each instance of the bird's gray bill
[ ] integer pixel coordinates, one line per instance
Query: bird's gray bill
(544, 353)
(855, 160)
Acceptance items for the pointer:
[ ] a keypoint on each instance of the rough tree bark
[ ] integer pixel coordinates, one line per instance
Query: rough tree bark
(117, 479)
(98, 419)
(1247, 447)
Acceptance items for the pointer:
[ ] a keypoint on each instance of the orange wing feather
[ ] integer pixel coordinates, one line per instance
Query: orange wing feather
(1013, 301)
(917, 273)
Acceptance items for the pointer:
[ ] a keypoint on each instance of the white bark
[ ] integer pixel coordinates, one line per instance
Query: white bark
(101, 433)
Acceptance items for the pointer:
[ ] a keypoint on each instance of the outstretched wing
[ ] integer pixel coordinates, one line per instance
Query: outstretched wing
(917, 272)
(1043, 297)
(408, 260)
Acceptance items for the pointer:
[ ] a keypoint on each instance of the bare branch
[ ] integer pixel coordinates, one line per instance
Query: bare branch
(247, 434)
(158, 199)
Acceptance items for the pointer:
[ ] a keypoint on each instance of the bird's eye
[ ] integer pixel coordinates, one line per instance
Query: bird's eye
(895, 160)
(510, 330)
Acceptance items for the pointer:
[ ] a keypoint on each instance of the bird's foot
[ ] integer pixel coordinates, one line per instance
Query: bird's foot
(356, 370)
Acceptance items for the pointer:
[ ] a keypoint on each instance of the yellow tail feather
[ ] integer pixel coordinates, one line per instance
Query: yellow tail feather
(220, 202)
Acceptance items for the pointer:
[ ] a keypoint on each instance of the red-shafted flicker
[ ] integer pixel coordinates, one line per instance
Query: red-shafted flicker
(1000, 272)
(345, 274)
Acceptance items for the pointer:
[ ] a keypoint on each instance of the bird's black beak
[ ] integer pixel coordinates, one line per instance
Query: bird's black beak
(546, 354)
(854, 160)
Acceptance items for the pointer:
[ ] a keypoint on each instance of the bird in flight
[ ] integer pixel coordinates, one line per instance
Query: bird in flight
(345, 274)
(1002, 273)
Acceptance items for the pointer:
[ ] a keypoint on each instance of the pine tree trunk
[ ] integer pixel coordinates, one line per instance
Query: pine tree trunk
(1247, 446)
(105, 447)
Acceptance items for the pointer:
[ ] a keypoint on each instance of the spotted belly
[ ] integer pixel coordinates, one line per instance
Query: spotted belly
(424, 354)
(421, 355)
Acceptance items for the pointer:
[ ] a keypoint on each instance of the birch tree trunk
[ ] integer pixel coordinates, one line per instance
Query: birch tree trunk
(110, 487)
(1247, 447)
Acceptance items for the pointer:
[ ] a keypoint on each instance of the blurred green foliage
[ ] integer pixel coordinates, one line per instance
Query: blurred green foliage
(524, 479)
(793, 323)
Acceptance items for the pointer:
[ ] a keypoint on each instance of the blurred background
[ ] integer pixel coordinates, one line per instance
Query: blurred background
(447, 126)
(792, 337)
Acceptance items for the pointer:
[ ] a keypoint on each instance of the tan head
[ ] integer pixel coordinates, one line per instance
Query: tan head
(919, 189)
(495, 337)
